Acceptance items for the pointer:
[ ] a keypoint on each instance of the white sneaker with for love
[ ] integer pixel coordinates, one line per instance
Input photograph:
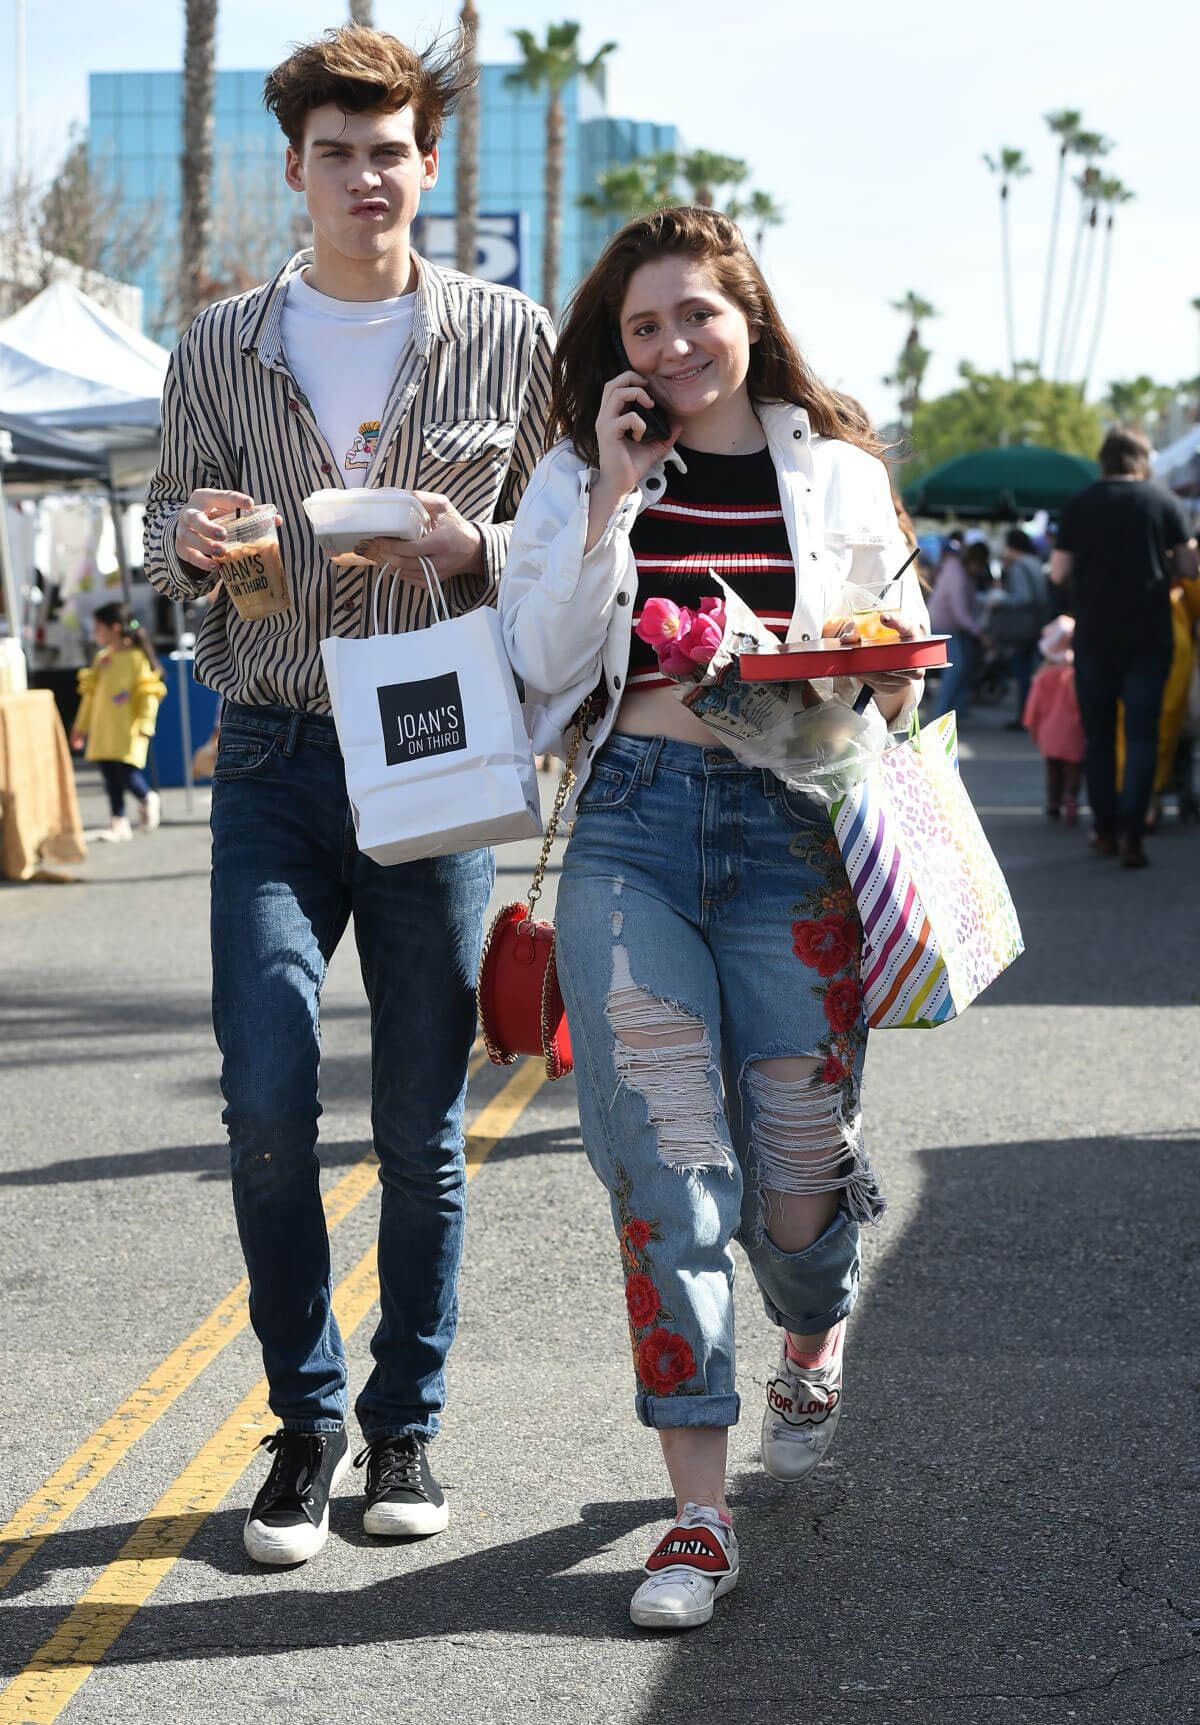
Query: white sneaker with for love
(804, 1405)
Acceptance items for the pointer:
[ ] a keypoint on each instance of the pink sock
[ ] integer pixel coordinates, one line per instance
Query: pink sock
(818, 1356)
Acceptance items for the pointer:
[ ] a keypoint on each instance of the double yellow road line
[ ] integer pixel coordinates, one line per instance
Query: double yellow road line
(61, 1666)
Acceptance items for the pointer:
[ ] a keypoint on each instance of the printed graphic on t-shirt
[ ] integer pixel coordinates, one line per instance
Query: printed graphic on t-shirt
(362, 451)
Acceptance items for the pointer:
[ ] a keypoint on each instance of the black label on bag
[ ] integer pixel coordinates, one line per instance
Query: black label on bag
(424, 718)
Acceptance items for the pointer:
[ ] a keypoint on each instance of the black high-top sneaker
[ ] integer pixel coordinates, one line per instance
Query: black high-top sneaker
(289, 1519)
(404, 1501)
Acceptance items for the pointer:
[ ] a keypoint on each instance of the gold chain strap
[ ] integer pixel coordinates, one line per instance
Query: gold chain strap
(565, 786)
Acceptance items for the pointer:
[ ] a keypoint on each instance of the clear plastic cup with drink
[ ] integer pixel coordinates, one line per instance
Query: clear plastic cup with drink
(251, 568)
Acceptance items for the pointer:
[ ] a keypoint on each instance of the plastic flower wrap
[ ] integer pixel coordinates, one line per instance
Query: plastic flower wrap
(807, 733)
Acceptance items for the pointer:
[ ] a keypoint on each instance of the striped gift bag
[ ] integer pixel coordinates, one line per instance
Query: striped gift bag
(938, 919)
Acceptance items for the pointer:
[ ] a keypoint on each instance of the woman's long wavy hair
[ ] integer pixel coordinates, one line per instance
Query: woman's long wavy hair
(584, 360)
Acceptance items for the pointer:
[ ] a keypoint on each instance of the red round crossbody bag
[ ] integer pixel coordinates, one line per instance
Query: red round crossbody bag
(521, 1008)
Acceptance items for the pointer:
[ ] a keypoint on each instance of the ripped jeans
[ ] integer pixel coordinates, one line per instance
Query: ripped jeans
(703, 901)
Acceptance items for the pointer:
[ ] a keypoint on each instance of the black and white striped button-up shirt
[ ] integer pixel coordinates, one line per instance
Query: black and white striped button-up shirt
(465, 417)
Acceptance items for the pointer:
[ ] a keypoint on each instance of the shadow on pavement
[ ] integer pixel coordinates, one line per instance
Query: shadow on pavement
(1007, 1522)
(211, 1161)
(524, 1587)
(1006, 1528)
(208, 1161)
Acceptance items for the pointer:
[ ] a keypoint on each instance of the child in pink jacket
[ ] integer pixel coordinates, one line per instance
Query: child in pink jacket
(1052, 719)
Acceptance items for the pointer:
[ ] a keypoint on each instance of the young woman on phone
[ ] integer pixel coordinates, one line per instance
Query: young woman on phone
(708, 943)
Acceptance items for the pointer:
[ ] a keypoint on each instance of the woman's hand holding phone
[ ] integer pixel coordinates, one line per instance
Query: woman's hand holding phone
(627, 451)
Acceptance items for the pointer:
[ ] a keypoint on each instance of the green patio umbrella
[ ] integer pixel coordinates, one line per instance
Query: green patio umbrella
(1000, 484)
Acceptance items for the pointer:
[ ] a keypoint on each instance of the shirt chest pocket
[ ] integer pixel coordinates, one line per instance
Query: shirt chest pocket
(469, 444)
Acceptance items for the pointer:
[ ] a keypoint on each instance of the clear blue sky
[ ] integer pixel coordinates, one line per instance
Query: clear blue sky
(867, 120)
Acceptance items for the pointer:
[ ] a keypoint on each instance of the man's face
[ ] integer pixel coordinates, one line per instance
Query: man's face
(362, 176)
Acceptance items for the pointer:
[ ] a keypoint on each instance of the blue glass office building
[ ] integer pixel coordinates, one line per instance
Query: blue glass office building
(135, 134)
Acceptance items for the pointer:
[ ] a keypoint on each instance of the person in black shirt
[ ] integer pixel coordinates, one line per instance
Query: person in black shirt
(1122, 543)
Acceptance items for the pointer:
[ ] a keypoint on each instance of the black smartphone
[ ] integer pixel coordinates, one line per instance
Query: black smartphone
(658, 426)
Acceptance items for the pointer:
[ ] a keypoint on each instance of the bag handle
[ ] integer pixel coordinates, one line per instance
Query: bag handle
(565, 786)
(433, 586)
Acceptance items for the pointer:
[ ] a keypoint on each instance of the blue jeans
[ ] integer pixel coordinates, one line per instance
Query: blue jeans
(1021, 661)
(1135, 674)
(287, 877)
(954, 686)
(705, 907)
(120, 777)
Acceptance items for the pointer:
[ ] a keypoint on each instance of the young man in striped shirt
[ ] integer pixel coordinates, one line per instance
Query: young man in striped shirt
(360, 364)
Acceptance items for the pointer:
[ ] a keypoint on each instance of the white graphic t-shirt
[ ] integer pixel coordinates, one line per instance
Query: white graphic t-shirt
(343, 354)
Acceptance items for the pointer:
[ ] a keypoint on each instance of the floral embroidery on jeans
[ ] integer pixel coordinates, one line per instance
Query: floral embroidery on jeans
(662, 1358)
(827, 937)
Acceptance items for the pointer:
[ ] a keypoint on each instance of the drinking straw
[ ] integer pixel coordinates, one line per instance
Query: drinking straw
(914, 553)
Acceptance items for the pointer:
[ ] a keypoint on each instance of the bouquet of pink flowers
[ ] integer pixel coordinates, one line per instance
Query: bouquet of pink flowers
(683, 640)
(808, 733)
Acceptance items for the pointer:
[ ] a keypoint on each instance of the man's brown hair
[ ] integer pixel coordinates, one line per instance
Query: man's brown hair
(362, 71)
(1125, 451)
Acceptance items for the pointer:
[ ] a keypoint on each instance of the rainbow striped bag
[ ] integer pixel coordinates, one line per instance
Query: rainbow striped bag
(938, 920)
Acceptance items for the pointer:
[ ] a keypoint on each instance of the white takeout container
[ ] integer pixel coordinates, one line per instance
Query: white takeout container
(341, 518)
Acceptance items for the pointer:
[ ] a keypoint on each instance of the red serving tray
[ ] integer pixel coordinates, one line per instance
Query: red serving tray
(824, 659)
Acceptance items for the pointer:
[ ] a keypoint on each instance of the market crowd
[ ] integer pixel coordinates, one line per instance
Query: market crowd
(1092, 625)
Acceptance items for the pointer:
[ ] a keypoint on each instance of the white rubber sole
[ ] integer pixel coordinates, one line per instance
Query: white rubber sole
(790, 1462)
(280, 1546)
(654, 1617)
(405, 1521)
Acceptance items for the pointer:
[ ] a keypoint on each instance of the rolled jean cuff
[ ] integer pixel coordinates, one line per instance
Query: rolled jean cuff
(665, 1413)
(380, 1434)
(812, 1323)
(313, 1427)
(819, 1283)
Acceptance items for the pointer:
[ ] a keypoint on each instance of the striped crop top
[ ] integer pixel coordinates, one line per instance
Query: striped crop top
(723, 514)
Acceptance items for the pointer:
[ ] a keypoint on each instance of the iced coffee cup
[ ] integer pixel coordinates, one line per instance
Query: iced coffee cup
(250, 564)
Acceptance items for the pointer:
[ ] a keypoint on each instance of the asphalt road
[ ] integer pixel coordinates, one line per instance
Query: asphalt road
(1007, 1529)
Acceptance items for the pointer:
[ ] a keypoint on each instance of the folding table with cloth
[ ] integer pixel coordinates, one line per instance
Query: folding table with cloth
(39, 811)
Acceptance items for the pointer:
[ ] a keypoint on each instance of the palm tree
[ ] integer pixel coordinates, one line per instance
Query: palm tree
(622, 193)
(1093, 195)
(466, 161)
(764, 213)
(1010, 165)
(360, 13)
(1196, 304)
(1064, 124)
(914, 358)
(706, 170)
(1089, 145)
(552, 65)
(1112, 195)
(1137, 401)
(199, 77)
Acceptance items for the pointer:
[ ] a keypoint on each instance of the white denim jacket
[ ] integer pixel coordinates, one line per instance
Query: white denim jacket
(567, 617)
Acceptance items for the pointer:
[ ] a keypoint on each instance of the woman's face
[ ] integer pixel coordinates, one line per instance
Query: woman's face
(686, 337)
(104, 633)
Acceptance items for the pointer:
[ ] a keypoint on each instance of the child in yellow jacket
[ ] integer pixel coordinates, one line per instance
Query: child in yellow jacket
(120, 692)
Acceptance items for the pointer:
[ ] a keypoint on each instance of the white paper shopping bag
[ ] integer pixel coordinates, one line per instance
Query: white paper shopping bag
(436, 753)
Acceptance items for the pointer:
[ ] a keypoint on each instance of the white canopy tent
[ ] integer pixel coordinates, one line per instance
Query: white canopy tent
(1178, 465)
(70, 366)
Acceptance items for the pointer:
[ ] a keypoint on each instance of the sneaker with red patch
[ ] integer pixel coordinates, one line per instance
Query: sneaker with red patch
(804, 1405)
(690, 1567)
